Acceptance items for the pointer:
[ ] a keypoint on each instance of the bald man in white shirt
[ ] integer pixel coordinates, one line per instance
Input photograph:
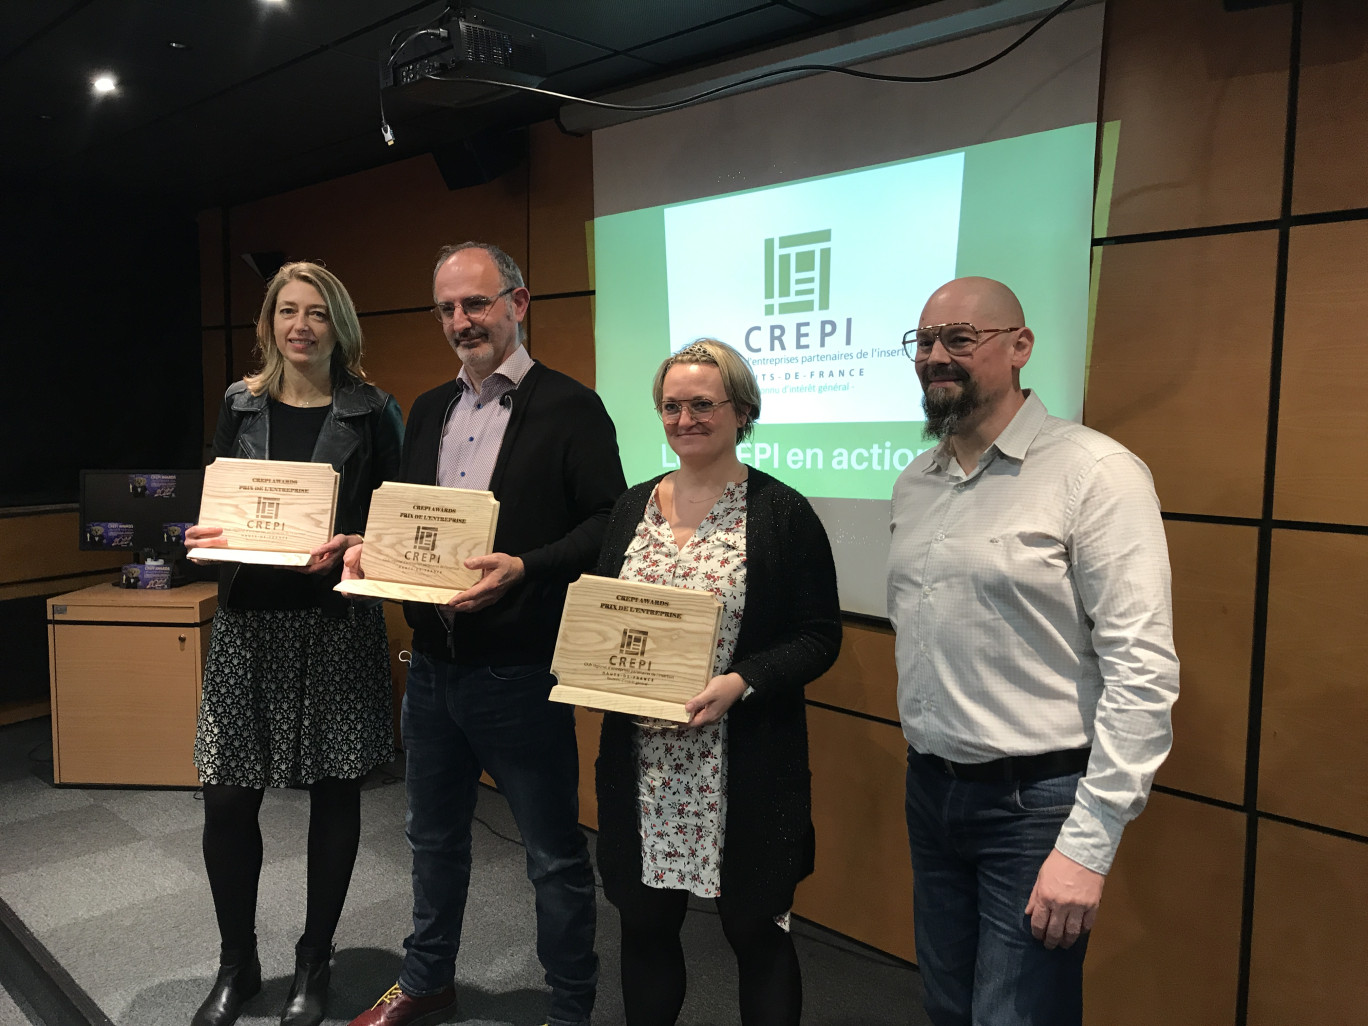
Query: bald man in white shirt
(1028, 584)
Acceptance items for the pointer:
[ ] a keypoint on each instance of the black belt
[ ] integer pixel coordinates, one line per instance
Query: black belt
(1012, 769)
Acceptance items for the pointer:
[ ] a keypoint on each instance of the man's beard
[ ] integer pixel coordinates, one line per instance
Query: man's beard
(470, 335)
(945, 413)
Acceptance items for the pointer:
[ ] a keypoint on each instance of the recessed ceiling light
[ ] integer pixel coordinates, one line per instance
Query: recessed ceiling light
(176, 44)
(103, 84)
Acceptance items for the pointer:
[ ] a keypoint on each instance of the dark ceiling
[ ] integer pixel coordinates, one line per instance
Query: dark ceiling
(266, 96)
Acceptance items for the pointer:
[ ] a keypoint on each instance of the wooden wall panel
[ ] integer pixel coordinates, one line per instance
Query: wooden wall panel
(1312, 763)
(1213, 613)
(1310, 921)
(45, 545)
(17, 712)
(1332, 108)
(588, 723)
(1323, 421)
(1180, 324)
(864, 678)
(46, 587)
(560, 205)
(211, 266)
(214, 371)
(244, 362)
(560, 333)
(862, 885)
(407, 354)
(215, 376)
(1167, 941)
(378, 230)
(400, 636)
(1201, 97)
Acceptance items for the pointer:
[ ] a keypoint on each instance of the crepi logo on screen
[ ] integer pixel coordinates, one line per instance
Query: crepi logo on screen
(798, 272)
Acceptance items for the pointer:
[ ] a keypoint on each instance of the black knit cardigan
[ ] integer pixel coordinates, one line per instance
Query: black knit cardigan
(790, 634)
(556, 478)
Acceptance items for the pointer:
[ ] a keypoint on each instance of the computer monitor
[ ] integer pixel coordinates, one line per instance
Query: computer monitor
(143, 513)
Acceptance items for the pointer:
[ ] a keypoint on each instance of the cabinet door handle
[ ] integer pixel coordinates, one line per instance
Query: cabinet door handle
(180, 638)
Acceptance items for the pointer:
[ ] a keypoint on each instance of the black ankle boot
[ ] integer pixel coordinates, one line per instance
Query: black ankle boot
(239, 978)
(309, 992)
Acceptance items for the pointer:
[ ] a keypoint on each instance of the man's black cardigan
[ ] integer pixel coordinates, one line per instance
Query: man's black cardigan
(556, 479)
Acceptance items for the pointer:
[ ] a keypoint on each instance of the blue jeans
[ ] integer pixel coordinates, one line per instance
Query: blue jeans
(457, 720)
(976, 850)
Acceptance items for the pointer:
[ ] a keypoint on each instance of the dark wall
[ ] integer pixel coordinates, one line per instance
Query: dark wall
(99, 340)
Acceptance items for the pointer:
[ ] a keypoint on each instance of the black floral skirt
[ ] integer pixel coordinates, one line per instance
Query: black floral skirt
(292, 696)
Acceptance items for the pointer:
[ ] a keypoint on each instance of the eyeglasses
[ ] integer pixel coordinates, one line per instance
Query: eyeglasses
(701, 410)
(474, 307)
(958, 339)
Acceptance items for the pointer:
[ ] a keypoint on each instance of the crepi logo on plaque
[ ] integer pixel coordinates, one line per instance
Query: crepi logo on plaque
(424, 548)
(268, 509)
(633, 642)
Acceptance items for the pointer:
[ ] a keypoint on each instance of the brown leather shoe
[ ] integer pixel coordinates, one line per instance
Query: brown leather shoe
(395, 1008)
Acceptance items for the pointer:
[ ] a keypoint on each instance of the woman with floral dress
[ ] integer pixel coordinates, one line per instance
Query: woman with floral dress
(722, 807)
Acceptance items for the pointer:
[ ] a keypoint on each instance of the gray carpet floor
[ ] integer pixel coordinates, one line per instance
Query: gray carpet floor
(112, 882)
(10, 1012)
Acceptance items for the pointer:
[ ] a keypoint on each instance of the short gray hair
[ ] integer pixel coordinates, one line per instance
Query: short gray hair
(510, 274)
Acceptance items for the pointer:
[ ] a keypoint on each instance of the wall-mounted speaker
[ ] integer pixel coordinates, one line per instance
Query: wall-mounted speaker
(265, 264)
(480, 158)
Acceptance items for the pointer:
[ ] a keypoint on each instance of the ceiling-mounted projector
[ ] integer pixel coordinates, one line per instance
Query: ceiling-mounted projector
(443, 65)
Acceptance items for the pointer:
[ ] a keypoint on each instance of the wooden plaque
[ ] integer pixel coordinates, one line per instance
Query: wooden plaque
(418, 538)
(271, 511)
(642, 649)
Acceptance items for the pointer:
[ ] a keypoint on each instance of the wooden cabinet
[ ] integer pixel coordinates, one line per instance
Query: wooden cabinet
(126, 668)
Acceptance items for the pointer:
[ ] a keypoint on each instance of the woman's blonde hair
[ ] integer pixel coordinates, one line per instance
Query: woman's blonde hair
(738, 381)
(346, 354)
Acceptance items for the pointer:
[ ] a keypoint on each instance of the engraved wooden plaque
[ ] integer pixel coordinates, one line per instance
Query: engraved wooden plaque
(642, 649)
(271, 511)
(418, 538)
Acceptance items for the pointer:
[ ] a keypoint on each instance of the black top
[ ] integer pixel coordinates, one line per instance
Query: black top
(790, 634)
(294, 433)
(556, 478)
(294, 430)
(359, 433)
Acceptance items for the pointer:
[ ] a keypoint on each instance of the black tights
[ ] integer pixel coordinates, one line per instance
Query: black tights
(653, 973)
(232, 858)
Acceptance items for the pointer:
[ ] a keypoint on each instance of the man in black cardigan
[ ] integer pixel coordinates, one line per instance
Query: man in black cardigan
(477, 688)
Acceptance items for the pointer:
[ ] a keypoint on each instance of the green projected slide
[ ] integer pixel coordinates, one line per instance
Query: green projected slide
(816, 281)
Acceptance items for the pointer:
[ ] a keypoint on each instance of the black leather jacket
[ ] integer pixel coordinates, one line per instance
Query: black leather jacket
(362, 438)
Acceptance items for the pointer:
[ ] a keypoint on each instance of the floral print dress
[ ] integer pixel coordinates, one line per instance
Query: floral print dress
(682, 774)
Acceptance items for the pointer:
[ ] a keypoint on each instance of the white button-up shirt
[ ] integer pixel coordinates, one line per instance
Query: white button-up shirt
(1031, 600)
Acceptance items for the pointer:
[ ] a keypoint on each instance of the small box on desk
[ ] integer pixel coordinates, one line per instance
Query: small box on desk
(146, 575)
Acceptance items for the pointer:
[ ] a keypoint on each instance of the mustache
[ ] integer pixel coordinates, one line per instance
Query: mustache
(469, 335)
